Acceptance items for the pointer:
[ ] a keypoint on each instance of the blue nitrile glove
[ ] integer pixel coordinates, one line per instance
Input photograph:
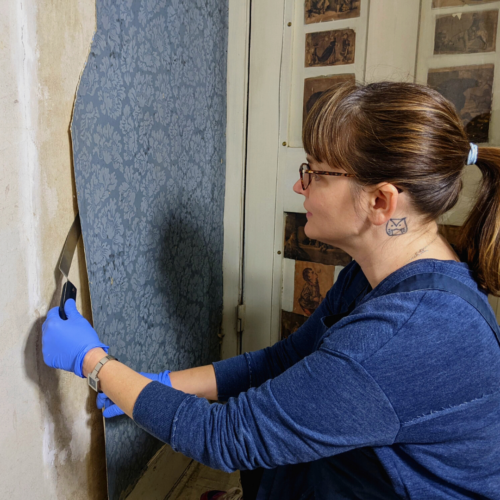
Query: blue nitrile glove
(66, 342)
(111, 410)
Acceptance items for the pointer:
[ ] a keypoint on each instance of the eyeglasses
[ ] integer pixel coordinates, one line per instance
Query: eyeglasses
(305, 174)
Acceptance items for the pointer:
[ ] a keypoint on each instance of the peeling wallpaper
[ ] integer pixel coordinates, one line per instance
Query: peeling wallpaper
(148, 137)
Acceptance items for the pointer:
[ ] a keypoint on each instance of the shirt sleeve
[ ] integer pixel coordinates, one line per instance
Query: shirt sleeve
(323, 405)
(240, 373)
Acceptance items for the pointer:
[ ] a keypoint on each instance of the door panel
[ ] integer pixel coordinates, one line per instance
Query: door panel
(263, 143)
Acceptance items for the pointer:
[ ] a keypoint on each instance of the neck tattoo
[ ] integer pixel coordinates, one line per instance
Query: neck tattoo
(423, 250)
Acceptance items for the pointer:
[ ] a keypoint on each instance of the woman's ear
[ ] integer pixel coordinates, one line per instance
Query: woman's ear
(383, 201)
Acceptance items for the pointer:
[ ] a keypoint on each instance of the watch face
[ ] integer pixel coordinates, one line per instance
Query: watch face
(93, 384)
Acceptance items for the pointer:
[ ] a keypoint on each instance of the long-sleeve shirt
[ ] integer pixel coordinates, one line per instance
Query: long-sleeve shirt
(402, 395)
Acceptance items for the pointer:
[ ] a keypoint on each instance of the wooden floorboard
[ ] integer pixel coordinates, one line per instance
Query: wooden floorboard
(200, 478)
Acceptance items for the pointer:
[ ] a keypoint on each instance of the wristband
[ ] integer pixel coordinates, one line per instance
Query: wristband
(92, 378)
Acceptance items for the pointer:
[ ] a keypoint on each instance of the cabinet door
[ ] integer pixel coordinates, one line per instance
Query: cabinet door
(457, 54)
(297, 48)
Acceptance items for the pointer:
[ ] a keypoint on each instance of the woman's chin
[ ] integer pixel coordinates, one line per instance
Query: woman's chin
(314, 235)
(310, 232)
(307, 229)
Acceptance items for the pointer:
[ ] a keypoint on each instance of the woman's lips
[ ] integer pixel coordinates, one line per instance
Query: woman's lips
(309, 214)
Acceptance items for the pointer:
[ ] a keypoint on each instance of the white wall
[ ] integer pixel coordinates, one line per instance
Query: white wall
(51, 435)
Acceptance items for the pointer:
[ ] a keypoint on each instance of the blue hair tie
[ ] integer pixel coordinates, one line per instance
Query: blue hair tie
(471, 160)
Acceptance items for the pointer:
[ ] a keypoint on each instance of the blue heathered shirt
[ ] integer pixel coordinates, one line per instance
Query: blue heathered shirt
(401, 397)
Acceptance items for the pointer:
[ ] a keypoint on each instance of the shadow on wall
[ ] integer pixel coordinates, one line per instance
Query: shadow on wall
(58, 431)
(192, 287)
(185, 266)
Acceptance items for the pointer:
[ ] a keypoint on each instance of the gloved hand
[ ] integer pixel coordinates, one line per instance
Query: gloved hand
(111, 410)
(66, 342)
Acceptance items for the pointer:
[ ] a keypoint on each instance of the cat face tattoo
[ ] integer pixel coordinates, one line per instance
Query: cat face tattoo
(396, 227)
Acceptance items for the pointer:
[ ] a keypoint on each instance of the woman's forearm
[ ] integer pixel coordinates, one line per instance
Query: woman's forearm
(200, 381)
(123, 385)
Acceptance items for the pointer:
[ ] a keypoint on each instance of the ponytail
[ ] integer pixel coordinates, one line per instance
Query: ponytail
(479, 244)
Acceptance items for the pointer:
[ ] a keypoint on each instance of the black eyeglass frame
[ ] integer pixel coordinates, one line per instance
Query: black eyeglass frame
(304, 169)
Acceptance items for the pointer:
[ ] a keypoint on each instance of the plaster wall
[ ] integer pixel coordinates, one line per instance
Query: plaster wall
(51, 435)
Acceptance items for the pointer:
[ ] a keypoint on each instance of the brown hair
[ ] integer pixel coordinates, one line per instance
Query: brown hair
(411, 136)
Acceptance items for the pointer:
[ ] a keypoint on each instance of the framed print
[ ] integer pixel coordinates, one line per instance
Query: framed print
(458, 3)
(330, 48)
(317, 11)
(290, 323)
(469, 88)
(468, 33)
(311, 284)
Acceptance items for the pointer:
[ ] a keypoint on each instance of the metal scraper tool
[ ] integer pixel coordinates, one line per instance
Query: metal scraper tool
(69, 290)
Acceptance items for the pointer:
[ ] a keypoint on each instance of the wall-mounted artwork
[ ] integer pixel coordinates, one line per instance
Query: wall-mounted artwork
(311, 284)
(317, 11)
(458, 3)
(330, 48)
(469, 88)
(467, 33)
(290, 323)
(314, 88)
(299, 247)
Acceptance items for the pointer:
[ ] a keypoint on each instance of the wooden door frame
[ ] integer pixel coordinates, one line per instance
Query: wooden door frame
(264, 139)
(236, 131)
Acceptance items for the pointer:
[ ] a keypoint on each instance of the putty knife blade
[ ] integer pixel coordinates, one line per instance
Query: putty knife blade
(70, 246)
(69, 290)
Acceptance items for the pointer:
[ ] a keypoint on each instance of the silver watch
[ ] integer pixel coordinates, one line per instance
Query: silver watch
(92, 377)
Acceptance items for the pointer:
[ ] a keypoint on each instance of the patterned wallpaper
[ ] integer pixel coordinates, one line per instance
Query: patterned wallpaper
(148, 137)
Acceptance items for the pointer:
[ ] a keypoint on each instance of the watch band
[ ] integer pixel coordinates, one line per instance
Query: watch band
(92, 378)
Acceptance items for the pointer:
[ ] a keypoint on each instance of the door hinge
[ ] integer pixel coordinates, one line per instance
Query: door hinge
(240, 315)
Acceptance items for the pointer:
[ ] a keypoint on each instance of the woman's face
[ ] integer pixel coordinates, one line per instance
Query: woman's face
(329, 201)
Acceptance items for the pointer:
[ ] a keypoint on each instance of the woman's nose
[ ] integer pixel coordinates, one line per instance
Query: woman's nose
(297, 187)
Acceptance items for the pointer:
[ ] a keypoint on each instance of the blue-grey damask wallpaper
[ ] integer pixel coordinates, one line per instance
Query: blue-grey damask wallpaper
(149, 153)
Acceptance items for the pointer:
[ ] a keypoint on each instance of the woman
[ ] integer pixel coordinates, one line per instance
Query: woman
(392, 387)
